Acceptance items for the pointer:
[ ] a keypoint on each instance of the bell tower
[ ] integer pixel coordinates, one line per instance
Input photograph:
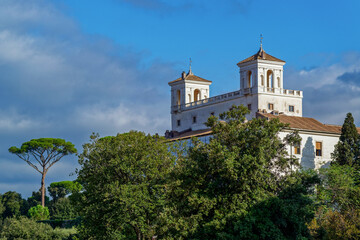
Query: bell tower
(261, 70)
(262, 75)
(187, 91)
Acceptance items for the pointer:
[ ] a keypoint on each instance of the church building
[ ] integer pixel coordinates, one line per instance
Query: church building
(262, 92)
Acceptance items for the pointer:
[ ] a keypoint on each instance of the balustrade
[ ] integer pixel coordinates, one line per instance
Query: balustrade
(232, 95)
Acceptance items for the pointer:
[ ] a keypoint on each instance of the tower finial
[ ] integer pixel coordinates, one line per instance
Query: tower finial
(261, 40)
(190, 72)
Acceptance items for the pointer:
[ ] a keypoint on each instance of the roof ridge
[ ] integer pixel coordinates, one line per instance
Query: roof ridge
(261, 55)
(192, 77)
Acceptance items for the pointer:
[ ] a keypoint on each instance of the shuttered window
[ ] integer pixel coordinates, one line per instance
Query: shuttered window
(297, 149)
(319, 149)
(271, 106)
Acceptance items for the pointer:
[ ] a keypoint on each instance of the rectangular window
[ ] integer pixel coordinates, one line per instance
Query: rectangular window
(319, 149)
(297, 149)
(178, 123)
(291, 108)
(271, 106)
(249, 106)
(194, 119)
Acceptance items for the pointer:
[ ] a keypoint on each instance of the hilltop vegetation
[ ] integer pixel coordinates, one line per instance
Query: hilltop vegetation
(240, 185)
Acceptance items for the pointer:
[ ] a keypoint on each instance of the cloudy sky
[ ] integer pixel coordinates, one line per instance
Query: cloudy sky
(69, 68)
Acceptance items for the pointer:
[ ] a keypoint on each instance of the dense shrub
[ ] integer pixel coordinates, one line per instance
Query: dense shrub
(39, 213)
(24, 228)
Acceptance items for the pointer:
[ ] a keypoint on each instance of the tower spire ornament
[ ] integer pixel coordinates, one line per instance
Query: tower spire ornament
(261, 40)
(190, 72)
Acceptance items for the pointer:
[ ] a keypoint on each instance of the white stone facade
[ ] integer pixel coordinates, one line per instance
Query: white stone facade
(262, 91)
(308, 156)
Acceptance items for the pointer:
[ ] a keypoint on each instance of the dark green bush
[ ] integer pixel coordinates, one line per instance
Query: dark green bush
(24, 228)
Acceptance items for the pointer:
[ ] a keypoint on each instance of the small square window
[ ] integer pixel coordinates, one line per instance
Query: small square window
(194, 119)
(271, 106)
(249, 106)
(319, 149)
(178, 123)
(291, 108)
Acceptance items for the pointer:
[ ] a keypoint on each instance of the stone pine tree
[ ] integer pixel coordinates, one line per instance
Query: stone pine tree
(347, 150)
(42, 154)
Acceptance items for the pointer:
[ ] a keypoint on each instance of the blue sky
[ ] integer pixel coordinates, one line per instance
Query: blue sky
(69, 68)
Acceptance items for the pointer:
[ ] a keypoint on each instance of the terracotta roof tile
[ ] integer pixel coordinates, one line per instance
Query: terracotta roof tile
(261, 54)
(191, 77)
(300, 123)
(304, 123)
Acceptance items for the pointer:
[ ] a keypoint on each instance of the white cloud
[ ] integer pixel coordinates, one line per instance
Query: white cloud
(124, 117)
(328, 95)
(11, 122)
(58, 82)
(25, 15)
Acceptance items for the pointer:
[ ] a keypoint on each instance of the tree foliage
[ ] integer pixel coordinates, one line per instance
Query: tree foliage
(219, 182)
(12, 205)
(39, 213)
(63, 209)
(42, 154)
(338, 213)
(284, 216)
(240, 185)
(61, 189)
(124, 181)
(35, 199)
(347, 150)
(28, 229)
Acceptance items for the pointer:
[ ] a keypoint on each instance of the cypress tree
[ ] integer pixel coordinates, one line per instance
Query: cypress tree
(347, 150)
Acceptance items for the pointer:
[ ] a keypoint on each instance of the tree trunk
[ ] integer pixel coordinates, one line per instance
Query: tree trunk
(138, 233)
(43, 188)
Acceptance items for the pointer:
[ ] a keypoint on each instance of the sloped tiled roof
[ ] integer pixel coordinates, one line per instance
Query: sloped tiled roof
(190, 134)
(191, 76)
(304, 123)
(261, 54)
(300, 123)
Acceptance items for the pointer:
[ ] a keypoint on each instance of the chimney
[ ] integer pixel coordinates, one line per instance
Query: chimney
(183, 75)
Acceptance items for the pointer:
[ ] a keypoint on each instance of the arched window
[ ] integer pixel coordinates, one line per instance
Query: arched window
(270, 81)
(250, 79)
(278, 82)
(262, 80)
(197, 95)
(189, 97)
(178, 98)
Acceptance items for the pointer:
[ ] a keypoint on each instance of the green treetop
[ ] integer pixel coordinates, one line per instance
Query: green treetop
(61, 189)
(218, 182)
(124, 182)
(347, 150)
(42, 154)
